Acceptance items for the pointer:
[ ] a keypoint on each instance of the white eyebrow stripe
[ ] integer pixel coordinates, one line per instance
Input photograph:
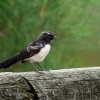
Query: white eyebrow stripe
(43, 32)
(48, 32)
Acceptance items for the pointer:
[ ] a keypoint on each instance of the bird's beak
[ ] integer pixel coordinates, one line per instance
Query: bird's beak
(56, 37)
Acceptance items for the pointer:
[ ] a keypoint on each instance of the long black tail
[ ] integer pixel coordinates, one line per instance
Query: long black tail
(7, 63)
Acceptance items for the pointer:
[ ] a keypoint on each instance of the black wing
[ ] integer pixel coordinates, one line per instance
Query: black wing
(30, 51)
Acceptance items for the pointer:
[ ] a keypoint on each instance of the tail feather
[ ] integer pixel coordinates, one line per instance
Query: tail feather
(7, 63)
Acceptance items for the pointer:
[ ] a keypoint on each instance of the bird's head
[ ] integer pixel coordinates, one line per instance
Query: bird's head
(47, 36)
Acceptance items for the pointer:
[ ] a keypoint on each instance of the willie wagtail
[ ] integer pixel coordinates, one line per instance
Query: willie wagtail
(36, 51)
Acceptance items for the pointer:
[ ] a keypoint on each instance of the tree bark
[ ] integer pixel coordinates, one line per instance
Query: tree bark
(66, 84)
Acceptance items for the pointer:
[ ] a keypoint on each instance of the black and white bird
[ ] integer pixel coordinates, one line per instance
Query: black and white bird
(36, 51)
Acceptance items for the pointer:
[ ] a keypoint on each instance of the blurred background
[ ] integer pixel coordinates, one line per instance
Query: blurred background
(75, 22)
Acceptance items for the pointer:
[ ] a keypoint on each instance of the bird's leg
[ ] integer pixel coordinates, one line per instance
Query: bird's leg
(40, 66)
(35, 67)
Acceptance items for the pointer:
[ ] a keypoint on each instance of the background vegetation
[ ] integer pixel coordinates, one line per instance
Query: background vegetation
(75, 22)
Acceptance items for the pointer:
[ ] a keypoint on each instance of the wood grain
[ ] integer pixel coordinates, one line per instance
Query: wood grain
(66, 84)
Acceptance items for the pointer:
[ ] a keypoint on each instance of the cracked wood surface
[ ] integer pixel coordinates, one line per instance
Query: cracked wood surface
(66, 84)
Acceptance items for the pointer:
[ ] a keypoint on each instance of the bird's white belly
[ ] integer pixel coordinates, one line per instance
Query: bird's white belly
(41, 55)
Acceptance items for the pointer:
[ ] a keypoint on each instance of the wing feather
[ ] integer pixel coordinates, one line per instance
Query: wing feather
(30, 51)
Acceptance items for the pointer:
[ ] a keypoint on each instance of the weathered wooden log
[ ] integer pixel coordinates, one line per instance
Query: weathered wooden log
(66, 84)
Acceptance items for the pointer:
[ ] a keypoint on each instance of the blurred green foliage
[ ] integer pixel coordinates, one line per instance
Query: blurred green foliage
(75, 22)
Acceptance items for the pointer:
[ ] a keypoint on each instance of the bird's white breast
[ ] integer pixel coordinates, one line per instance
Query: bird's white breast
(41, 55)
